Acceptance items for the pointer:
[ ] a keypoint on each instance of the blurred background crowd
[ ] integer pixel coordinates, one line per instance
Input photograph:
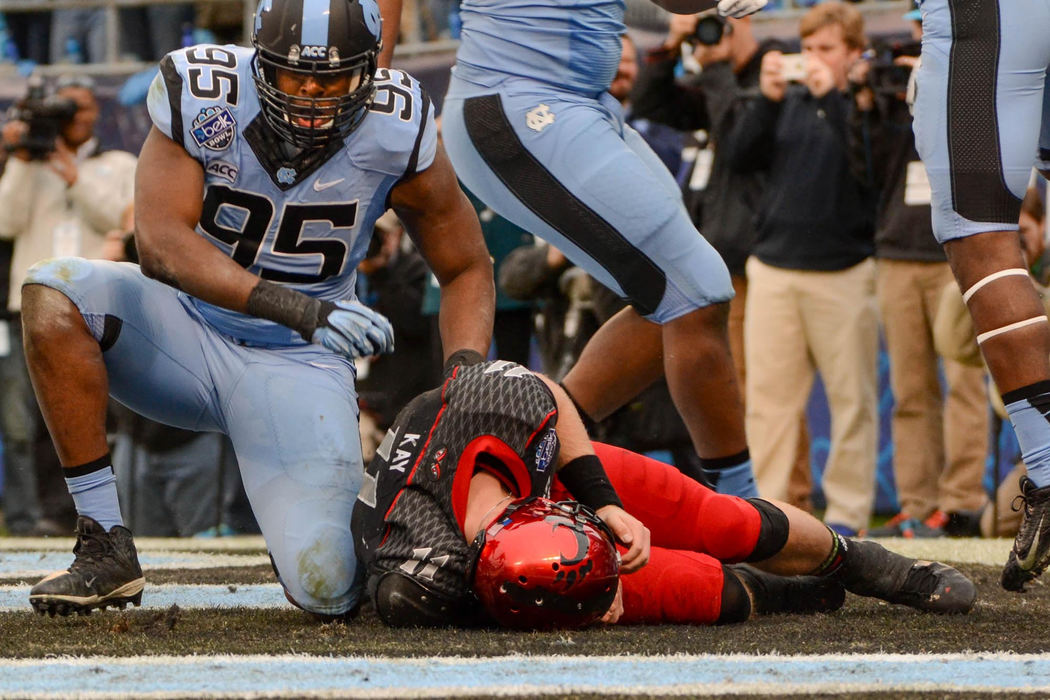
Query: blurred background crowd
(790, 135)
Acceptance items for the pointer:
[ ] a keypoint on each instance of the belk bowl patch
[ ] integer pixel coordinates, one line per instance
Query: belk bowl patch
(545, 450)
(214, 128)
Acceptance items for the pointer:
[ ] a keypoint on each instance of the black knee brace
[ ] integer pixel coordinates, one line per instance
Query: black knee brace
(773, 530)
(736, 603)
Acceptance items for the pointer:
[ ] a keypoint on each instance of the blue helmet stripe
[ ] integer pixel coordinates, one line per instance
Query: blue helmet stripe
(315, 23)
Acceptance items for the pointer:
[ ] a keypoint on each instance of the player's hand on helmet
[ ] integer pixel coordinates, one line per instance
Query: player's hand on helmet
(740, 8)
(352, 329)
(615, 611)
(631, 533)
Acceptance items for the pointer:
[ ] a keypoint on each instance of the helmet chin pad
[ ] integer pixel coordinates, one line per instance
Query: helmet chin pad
(546, 565)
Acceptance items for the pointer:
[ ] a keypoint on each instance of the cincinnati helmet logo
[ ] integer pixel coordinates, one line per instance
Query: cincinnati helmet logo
(574, 568)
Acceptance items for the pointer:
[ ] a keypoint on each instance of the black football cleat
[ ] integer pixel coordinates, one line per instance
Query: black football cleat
(773, 594)
(1031, 551)
(105, 572)
(929, 586)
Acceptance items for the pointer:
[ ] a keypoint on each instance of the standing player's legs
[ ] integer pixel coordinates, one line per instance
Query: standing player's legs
(590, 187)
(91, 328)
(978, 115)
(292, 418)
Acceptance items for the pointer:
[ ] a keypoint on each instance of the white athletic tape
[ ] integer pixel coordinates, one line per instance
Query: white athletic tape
(1013, 271)
(1012, 327)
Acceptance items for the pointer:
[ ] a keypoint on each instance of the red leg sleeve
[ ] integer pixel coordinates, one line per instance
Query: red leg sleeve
(679, 512)
(674, 588)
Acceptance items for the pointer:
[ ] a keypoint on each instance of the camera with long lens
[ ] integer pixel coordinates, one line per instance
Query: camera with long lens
(709, 30)
(46, 115)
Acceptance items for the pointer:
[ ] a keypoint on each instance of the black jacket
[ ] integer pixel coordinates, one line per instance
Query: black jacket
(814, 213)
(883, 149)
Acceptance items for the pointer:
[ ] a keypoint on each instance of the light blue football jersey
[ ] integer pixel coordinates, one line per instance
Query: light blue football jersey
(306, 227)
(572, 44)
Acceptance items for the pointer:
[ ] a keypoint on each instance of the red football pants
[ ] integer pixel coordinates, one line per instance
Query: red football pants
(694, 530)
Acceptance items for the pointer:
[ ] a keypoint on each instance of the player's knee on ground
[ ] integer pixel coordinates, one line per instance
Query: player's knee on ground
(324, 580)
(772, 533)
(736, 603)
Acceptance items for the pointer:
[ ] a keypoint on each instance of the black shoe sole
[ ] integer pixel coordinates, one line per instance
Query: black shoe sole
(44, 604)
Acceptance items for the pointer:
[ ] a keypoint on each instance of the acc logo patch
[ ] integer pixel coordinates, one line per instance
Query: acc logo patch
(545, 450)
(220, 168)
(214, 128)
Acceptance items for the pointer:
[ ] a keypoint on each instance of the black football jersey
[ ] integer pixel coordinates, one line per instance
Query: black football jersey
(498, 416)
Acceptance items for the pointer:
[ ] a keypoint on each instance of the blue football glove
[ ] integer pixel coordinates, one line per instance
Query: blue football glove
(352, 329)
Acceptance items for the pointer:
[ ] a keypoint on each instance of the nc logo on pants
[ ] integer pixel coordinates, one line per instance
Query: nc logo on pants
(539, 117)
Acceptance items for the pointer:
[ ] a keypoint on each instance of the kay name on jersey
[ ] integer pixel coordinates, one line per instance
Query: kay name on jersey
(402, 454)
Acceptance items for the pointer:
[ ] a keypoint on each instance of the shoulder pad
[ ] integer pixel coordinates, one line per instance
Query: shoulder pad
(200, 94)
(402, 601)
(399, 135)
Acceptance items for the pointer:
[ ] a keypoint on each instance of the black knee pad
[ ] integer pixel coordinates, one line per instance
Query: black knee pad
(773, 530)
(736, 603)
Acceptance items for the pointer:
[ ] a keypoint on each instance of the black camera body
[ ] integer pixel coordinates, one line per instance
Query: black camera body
(709, 29)
(46, 115)
(888, 78)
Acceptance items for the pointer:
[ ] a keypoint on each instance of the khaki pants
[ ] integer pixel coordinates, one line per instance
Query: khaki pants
(799, 322)
(800, 486)
(939, 445)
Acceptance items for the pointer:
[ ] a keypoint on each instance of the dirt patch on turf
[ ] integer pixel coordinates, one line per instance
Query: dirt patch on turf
(1000, 621)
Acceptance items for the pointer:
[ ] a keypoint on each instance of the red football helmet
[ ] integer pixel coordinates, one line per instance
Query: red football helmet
(545, 565)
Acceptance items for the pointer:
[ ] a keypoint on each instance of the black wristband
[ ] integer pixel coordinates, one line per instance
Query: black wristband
(298, 311)
(465, 357)
(586, 480)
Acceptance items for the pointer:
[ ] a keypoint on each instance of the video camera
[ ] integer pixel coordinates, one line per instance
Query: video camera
(46, 115)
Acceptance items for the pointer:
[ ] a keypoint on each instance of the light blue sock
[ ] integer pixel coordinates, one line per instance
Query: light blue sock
(95, 495)
(737, 480)
(1028, 408)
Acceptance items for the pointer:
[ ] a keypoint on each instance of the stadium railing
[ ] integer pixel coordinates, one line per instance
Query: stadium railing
(640, 14)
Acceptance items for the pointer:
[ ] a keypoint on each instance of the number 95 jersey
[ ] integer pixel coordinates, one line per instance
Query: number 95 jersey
(302, 219)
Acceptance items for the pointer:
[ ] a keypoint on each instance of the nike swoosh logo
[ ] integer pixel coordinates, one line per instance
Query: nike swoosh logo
(322, 186)
(1028, 563)
(91, 582)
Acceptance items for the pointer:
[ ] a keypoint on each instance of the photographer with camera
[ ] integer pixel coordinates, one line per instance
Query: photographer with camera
(59, 195)
(811, 297)
(721, 202)
(940, 439)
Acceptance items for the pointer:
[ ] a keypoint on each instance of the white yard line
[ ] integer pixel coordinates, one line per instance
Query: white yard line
(163, 596)
(239, 543)
(510, 676)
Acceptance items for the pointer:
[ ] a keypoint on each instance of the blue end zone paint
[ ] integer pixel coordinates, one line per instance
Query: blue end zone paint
(34, 565)
(518, 675)
(268, 595)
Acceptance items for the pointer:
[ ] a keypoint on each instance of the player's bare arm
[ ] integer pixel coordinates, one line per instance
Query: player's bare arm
(390, 10)
(169, 187)
(445, 228)
(574, 444)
